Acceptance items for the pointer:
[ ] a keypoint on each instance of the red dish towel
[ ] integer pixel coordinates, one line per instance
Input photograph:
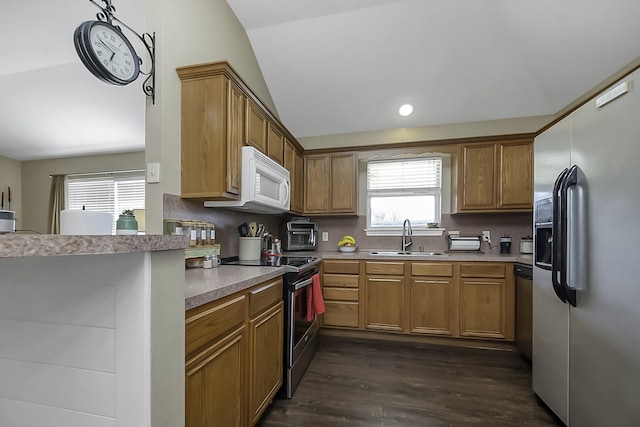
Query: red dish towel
(315, 302)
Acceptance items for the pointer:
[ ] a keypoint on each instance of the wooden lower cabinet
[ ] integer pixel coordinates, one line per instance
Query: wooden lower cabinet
(214, 384)
(432, 298)
(234, 357)
(385, 296)
(341, 291)
(453, 299)
(487, 301)
(266, 333)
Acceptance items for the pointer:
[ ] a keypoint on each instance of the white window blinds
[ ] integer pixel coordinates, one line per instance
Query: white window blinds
(402, 189)
(111, 193)
(404, 174)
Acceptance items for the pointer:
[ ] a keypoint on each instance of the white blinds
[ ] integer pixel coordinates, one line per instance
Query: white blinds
(106, 193)
(423, 173)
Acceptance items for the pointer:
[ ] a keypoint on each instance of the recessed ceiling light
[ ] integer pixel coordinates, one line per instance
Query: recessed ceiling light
(406, 110)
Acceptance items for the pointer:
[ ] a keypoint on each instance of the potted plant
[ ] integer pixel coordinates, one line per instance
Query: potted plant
(127, 223)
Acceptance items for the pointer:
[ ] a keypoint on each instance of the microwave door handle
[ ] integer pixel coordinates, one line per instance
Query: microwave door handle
(571, 179)
(287, 192)
(556, 242)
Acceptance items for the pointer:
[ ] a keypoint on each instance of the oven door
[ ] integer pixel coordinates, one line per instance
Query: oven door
(301, 327)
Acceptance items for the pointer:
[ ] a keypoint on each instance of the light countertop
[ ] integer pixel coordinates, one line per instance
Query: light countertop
(206, 285)
(24, 245)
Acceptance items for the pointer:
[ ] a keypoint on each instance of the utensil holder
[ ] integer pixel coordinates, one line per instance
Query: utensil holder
(249, 248)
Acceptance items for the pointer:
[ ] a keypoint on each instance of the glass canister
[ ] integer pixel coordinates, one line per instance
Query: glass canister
(211, 231)
(189, 228)
(201, 233)
(172, 227)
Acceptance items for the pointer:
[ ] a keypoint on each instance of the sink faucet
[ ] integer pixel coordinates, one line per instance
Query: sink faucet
(406, 234)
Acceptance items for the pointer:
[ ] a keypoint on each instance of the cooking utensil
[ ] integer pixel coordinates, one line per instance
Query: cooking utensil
(243, 230)
(260, 231)
(253, 229)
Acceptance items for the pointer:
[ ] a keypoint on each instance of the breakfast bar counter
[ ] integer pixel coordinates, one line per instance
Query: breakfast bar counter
(90, 330)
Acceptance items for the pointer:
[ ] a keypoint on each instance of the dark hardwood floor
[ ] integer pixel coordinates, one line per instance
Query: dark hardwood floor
(364, 382)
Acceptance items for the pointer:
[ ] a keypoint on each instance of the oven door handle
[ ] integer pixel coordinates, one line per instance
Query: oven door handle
(302, 284)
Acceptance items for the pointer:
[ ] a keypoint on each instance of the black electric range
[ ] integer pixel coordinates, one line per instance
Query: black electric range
(292, 264)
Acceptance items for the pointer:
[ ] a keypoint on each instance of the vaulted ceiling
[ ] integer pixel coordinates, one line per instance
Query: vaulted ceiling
(332, 66)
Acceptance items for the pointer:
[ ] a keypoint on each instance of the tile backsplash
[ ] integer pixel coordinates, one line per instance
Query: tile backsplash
(226, 221)
(514, 225)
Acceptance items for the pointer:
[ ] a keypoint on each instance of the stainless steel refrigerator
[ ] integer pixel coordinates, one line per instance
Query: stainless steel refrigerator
(586, 295)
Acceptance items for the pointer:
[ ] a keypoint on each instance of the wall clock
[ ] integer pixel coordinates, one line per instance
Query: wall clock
(106, 52)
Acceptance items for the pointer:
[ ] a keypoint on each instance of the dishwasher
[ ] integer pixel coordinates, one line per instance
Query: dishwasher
(524, 307)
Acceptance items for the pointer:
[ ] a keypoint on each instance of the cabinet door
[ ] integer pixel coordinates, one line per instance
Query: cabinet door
(215, 384)
(266, 359)
(384, 309)
(477, 177)
(344, 184)
(316, 183)
(298, 189)
(256, 127)
(483, 308)
(516, 175)
(275, 143)
(293, 163)
(432, 305)
(235, 137)
(204, 140)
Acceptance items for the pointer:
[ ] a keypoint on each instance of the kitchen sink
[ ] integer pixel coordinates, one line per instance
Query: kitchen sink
(406, 253)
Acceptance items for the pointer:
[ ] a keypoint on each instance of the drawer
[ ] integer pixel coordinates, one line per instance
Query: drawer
(340, 280)
(341, 314)
(265, 296)
(442, 269)
(341, 294)
(211, 321)
(338, 266)
(390, 268)
(483, 269)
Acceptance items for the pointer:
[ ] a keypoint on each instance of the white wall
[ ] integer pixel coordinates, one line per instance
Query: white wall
(36, 184)
(10, 176)
(188, 32)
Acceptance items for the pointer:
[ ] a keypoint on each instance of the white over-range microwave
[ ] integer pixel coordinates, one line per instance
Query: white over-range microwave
(265, 185)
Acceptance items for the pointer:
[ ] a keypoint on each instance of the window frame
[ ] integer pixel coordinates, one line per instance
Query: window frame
(427, 191)
(115, 207)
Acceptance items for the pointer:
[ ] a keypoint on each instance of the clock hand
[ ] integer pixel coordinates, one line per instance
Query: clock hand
(105, 45)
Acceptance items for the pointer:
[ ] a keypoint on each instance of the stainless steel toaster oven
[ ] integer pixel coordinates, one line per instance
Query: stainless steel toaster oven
(300, 234)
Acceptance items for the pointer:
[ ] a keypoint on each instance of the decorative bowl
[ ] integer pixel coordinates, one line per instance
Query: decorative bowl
(347, 248)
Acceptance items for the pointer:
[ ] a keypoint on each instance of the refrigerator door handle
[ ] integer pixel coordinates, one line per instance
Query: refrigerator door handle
(557, 238)
(570, 180)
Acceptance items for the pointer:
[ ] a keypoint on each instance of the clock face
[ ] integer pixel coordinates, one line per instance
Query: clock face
(106, 52)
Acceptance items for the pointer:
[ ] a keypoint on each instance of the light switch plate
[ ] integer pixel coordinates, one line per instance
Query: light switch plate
(325, 236)
(153, 173)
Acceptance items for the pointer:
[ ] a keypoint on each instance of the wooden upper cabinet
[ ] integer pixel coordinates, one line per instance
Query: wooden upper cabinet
(330, 184)
(275, 143)
(477, 176)
(293, 163)
(236, 136)
(213, 120)
(515, 165)
(316, 183)
(256, 127)
(495, 177)
(344, 183)
(219, 115)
